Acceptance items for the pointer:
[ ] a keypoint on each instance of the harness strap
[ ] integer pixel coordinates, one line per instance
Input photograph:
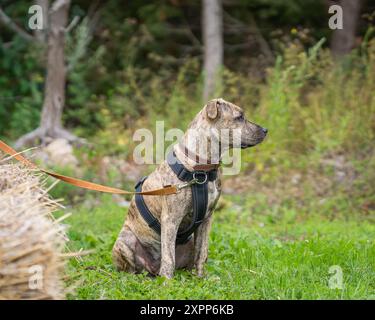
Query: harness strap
(200, 197)
(185, 175)
(199, 194)
(152, 222)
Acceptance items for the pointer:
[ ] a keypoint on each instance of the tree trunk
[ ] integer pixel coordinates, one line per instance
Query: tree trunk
(54, 95)
(41, 35)
(343, 40)
(212, 22)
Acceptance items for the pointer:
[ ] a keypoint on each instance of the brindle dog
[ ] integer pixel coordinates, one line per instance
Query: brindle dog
(139, 247)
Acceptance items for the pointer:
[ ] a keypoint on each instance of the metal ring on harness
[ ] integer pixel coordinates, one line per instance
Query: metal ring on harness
(197, 181)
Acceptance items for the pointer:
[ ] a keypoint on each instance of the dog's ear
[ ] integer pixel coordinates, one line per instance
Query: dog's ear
(212, 109)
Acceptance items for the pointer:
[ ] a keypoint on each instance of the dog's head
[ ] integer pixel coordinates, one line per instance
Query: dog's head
(223, 115)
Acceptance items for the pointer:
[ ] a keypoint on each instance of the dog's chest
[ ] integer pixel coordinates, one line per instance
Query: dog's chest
(214, 190)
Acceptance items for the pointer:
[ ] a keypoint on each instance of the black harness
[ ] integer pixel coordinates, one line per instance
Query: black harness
(198, 181)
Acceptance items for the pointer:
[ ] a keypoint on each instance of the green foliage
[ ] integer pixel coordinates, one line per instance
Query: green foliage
(81, 88)
(21, 84)
(314, 108)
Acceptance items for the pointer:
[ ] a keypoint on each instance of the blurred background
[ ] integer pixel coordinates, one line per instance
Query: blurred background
(122, 65)
(97, 71)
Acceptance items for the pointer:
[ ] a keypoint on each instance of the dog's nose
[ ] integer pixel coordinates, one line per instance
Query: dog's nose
(265, 130)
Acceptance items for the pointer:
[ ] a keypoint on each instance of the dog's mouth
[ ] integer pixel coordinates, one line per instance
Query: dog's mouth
(245, 146)
(250, 145)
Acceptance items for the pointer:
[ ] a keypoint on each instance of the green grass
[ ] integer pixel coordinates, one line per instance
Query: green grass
(249, 258)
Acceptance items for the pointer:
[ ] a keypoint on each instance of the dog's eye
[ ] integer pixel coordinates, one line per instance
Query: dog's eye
(240, 118)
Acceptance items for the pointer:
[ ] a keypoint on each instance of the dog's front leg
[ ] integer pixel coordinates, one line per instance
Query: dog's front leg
(201, 245)
(169, 227)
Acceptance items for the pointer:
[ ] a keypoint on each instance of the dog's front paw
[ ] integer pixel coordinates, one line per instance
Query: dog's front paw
(168, 274)
(199, 272)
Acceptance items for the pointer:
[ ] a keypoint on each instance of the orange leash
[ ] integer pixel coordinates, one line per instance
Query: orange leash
(166, 190)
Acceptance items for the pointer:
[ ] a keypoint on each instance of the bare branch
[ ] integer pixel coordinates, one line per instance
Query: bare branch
(8, 22)
(58, 4)
(72, 24)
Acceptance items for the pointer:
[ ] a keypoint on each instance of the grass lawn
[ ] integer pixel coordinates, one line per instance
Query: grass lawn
(250, 257)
